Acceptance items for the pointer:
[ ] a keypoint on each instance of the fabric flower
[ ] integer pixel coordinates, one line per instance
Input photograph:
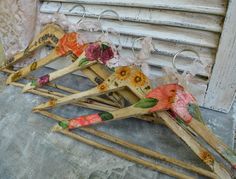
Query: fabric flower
(93, 52)
(181, 104)
(84, 121)
(138, 79)
(43, 80)
(123, 73)
(102, 87)
(165, 95)
(106, 55)
(69, 42)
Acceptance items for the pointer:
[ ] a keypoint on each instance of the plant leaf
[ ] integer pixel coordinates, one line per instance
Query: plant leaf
(63, 124)
(83, 61)
(146, 103)
(195, 112)
(106, 116)
(104, 46)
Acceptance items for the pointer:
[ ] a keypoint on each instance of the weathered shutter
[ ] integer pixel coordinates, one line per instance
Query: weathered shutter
(173, 25)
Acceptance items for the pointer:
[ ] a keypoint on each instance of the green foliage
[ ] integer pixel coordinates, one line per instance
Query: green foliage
(146, 103)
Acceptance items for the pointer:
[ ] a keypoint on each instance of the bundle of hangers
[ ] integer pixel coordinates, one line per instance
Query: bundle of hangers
(128, 92)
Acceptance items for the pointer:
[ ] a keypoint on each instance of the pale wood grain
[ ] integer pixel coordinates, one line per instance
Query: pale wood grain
(144, 15)
(201, 6)
(221, 91)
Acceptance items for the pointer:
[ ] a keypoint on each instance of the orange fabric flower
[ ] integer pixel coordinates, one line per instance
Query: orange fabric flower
(138, 79)
(123, 73)
(206, 157)
(102, 87)
(165, 95)
(68, 43)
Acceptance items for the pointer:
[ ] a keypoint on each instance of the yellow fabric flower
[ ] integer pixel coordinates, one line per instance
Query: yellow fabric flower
(102, 87)
(138, 79)
(123, 73)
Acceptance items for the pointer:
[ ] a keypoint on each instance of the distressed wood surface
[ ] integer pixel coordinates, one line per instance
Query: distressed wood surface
(166, 33)
(217, 7)
(222, 87)
(151, 16)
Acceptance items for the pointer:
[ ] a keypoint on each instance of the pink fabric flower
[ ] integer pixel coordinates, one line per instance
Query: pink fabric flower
(180, 106)
(93, 52)
(106, 55)
(43, 80)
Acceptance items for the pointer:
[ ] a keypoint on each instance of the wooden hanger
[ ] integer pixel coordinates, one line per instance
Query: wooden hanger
(50, 35)
(158, 101)
(197, 126)
(65, 46)
(81, 63)
(132, 146)
(123, 78)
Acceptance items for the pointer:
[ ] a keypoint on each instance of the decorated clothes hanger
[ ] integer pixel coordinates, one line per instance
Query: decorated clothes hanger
(182, 112)
(50, 35)
(66, 45)
(95, 52)
(169, 97)
(124, 78)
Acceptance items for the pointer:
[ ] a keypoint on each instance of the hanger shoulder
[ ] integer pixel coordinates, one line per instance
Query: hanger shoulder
(213, 141)
(32, 67)
(50, 35)
(198, 149)
(43, 80)
(99, 90)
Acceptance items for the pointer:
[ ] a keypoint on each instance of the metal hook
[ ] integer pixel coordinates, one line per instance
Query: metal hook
(59, 7)
(84, 11)
(137, 39)
(105, 11)
(184, 50)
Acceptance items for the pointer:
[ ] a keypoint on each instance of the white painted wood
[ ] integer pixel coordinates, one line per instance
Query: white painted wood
(221, 91)
(217, 7)
(144, 15)
(166, 33)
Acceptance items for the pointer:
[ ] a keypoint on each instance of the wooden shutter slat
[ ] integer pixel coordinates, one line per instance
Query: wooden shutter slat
(217, 7)
(151, 16)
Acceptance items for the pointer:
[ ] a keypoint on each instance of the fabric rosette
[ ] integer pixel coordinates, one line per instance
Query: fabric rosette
(101, 52)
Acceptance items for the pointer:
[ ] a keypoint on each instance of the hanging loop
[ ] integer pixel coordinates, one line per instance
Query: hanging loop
(84, 11)
(184, 50)
(118, 17)
(138, 39)
(105, 11)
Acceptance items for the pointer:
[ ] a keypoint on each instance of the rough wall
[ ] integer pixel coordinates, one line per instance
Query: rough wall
(17, 23)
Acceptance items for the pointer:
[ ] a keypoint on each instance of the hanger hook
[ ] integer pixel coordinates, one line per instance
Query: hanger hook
(84, 11)
(105, 11)
(184, 50)
(58, 10)
(137, 39)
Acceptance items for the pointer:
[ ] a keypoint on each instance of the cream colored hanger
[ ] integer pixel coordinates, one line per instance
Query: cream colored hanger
(144, 106)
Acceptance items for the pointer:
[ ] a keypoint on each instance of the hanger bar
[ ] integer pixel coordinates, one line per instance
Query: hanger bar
(136, 147)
